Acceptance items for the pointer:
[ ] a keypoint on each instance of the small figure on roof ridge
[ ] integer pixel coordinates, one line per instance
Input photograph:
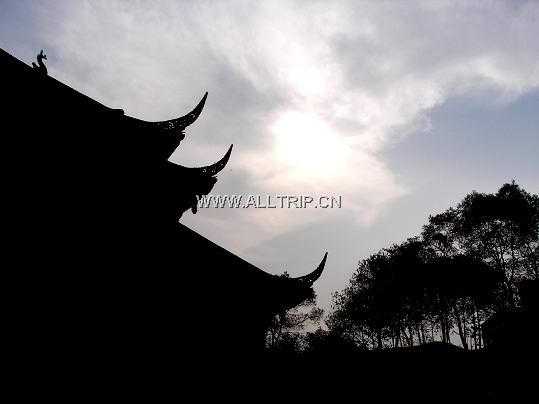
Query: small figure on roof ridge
(40, 67)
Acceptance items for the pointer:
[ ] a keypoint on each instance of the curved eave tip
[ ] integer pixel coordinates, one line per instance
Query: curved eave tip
(229, 152)
(318, 271)
(214, 169)
(226, 157)
(323, 263)
(315, 275)
(201, 103)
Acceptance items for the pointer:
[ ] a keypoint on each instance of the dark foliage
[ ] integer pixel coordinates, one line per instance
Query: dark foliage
(466, 266)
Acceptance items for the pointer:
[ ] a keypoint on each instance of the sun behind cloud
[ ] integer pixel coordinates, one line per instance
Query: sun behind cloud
(309, 146)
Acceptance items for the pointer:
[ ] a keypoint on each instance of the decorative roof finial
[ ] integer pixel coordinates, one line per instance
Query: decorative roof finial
(40, 67)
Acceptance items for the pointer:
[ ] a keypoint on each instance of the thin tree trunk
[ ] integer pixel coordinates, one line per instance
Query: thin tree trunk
(462, 331)
(443, 325)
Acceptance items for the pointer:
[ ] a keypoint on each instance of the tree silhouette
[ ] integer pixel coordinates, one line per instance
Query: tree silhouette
(500, 229)
(465, 266)
(283, 333)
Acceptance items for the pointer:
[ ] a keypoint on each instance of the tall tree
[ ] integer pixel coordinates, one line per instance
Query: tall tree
(501, 229)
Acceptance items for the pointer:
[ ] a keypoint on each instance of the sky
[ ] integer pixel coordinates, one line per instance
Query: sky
(401, 108)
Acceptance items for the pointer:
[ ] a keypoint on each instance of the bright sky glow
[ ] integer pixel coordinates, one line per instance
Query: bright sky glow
(309, 146)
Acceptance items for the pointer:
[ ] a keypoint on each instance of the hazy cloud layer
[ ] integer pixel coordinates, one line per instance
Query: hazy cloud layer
(310, 93)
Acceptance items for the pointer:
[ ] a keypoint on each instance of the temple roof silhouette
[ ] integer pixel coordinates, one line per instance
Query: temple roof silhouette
(109, 203)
